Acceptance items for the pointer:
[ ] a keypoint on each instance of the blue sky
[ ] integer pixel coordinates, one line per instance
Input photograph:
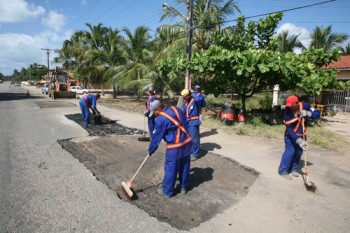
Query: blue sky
(27, 26)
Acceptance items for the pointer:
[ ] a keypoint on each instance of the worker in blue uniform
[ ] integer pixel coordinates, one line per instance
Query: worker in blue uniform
(296, 114)
(86, 102)
(171, 127)
(150, 119)
(200, 99)
(191, 109)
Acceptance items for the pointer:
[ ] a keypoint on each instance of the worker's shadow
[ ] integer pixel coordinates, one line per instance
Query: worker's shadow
(199, 176)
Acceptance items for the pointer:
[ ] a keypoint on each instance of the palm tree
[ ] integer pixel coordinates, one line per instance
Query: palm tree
(71, 54)
(287, 43)
(208, 17)
(323, 38)
(345, 50)
(138, 58)
(94, 42)
(111, 56)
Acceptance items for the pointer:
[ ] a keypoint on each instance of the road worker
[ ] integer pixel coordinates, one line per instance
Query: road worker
(86, 102)
(191, 109)
(295, 135)
(171, 126)
(151, 119)
(200, 99)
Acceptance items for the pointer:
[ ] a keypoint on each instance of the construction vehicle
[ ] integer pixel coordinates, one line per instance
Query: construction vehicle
(60, 85)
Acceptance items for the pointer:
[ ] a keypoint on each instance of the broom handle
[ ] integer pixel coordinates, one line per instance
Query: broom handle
(304, 138)
(132, 179)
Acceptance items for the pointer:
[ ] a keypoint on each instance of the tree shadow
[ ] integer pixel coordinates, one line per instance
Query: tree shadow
(209, 133)
(208, 146)
(16, 96)
(302, 163)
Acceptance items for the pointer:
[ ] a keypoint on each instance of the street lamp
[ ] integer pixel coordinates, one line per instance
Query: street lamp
(189, 41)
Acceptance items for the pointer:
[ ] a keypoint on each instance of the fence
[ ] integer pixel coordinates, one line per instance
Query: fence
(337, 101)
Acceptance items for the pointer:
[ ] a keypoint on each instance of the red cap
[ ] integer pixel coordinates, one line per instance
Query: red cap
(291, 100)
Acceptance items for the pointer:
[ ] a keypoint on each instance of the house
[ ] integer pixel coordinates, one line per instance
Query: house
(343, 66)
(338, 99)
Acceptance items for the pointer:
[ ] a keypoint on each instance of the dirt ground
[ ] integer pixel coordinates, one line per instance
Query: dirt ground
(113, 153)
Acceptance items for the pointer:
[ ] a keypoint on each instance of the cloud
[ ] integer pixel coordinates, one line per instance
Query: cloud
(54, 21)
(20, 50)
(16, 11)
(304, 36)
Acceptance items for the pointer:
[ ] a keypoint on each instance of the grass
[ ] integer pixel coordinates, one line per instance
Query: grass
(317, 135)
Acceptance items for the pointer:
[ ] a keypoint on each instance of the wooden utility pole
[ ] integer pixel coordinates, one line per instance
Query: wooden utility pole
(48, 60)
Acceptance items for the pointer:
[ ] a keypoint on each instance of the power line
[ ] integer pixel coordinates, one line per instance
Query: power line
(84, 13)
(274, 12)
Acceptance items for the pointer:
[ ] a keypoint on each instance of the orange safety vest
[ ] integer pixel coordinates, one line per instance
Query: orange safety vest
(179, 129)
(299, 122)
(188, 105)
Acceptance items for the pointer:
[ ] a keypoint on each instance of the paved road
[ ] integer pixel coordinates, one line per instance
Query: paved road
(44, 189)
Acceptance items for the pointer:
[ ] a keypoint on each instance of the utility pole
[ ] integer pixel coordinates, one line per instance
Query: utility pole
(48, 60)
(189, 40)
(189, 46)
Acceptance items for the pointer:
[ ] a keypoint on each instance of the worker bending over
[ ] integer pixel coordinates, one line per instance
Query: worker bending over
(86, 102)
(171, 126)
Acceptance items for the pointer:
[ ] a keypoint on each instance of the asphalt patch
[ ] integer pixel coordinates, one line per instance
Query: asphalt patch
(54, 104)
(215, 184)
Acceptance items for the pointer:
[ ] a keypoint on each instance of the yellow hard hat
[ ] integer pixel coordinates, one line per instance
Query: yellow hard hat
(185, 92)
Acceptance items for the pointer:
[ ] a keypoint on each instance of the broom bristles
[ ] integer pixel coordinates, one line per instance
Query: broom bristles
(126, 188)
(310, 186)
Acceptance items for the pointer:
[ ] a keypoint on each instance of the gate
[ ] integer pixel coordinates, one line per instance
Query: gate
(338, 101)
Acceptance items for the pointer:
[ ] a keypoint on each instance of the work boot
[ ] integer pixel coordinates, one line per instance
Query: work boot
(160, 192)
(286, 176)
(295, 173)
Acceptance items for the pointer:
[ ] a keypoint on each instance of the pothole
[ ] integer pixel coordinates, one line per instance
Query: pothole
(215, 183)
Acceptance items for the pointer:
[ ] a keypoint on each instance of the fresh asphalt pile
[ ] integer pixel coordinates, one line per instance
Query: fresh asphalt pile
(113, 153)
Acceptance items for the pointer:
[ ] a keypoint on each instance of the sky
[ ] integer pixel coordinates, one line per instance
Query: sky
(29, 26)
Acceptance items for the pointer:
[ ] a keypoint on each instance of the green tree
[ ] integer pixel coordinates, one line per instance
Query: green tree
(287, 43)
(236, 64)
(138, 59)
(324, 38)
(345, 50)
(208, 17)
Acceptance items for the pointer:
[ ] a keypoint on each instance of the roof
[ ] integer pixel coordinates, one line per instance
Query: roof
(343, 63)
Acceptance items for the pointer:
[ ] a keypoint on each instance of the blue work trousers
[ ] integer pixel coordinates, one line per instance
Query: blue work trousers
(171, 170)
(291, 157)
(151, 124)
(85, 112)
(193, 131)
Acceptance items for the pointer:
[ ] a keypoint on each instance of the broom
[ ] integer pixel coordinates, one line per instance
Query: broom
(127, 185)
(144, 138)
(310, 186)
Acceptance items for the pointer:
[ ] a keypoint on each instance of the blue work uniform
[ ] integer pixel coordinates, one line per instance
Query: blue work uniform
(294, 130)
(200, 100)
(171, 127)
(87, 101)
(151, 119)
(191, 111)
